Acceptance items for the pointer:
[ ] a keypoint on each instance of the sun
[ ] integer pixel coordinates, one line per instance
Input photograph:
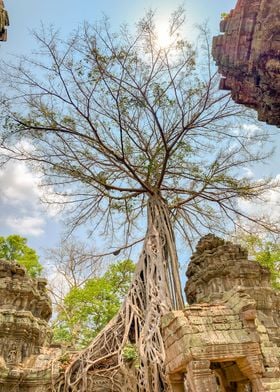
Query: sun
(164, 39)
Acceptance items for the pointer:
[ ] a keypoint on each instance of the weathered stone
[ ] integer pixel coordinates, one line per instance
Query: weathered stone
(227, 339)
(248, 56)
(25, 352)
(4, 22)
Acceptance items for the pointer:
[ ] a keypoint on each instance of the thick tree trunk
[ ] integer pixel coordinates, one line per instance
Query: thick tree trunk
(134, 334)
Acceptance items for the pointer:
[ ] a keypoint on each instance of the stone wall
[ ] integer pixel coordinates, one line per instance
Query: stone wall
(248, 56)
(25, 351)
(4, 22)
(227, 338)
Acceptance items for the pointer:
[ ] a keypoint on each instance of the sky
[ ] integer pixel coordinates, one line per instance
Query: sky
(27, 15)
(20, 209)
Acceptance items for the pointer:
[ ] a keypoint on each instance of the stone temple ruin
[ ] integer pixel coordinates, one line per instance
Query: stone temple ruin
(227, 338)
(4, 22)
(248, 56)
(25, 352)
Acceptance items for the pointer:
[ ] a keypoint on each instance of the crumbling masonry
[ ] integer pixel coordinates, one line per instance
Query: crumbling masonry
(25, 352)
(227, 338)
(248, 56)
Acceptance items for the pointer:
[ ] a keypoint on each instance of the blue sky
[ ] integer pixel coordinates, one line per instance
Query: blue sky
(20, 209)
(26, 15)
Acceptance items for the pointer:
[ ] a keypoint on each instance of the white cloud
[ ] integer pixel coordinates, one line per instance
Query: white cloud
(20, 208)
(17, 185)
(54, 203)
(26, 225)
(248, 130)
(22, 193)
(269, 206)
(248, 173)
(251, 129)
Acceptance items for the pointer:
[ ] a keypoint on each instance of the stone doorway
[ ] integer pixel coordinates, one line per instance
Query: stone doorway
(211, 377)
(229, 377)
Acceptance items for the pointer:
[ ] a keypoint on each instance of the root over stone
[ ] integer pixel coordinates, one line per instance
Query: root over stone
(128, 355)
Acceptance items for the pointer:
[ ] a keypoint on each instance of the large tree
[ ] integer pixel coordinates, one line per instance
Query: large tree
(86, 309)
(14, 248)
(125, 129)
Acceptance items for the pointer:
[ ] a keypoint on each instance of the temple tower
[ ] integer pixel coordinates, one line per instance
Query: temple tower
(227, 338)
(4, 21)
(25, 350)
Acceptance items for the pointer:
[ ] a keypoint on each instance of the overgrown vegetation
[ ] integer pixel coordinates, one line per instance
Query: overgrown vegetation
(15, 248)
(266, 252)
(224, 15)
(87, 309)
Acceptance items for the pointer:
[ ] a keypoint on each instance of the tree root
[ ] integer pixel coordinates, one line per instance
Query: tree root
(105, 365)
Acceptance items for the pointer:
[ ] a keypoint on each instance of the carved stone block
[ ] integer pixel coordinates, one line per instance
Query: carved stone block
(227, 339)
(248, 56)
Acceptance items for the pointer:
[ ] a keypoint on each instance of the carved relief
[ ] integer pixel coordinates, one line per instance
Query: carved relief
(12, 357)
(24, 333)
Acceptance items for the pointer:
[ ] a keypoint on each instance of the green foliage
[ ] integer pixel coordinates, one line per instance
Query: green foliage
(14, 248)
(130, 353)
(87, 309)
(64, 359)
(224, 15)
(267, 253)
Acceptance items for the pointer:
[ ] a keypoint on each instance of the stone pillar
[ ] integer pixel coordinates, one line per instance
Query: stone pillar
(177, 383)
(243, 387)
(200, 378)
(252, 368)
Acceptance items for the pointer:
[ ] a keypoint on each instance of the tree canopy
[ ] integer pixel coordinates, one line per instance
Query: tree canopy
(266, 251)
(15, 248)
(123, 129)
(86, 310)
(112, 119)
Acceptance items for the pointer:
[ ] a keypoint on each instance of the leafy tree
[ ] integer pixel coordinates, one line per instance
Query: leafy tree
(70, 264)
(266, 252)
(125, 129)
(86, 310)
(15, 248)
